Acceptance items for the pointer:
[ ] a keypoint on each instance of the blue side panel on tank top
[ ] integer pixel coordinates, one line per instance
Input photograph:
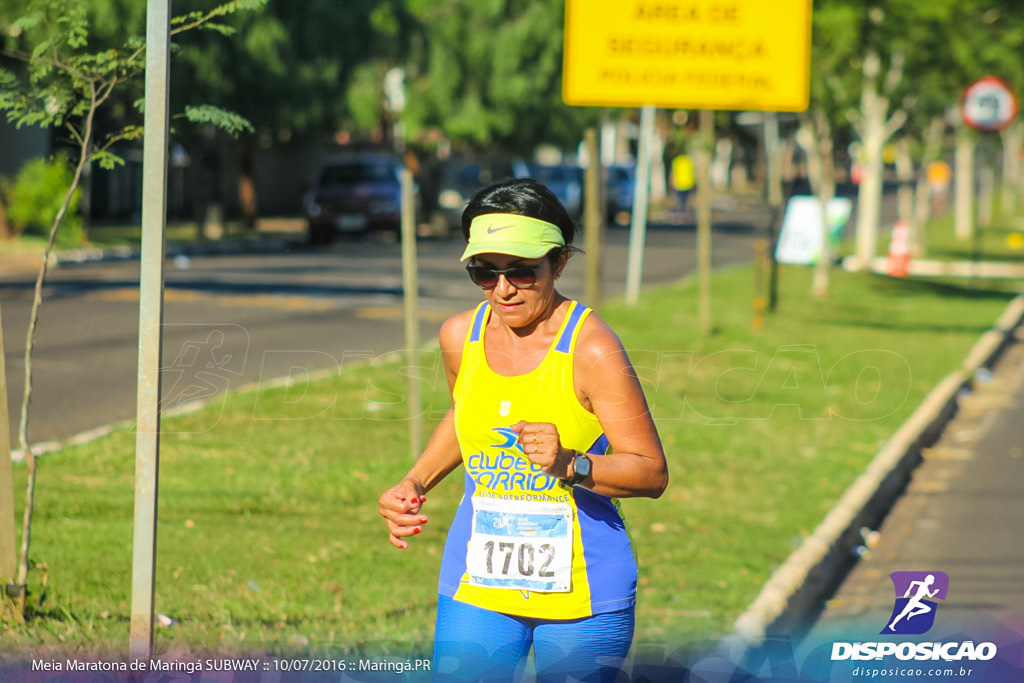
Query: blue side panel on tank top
(453, 563)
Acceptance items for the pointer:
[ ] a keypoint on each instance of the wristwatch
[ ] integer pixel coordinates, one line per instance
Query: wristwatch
(580, 469)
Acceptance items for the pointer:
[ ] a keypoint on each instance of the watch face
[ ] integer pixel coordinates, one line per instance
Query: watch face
(581, 466)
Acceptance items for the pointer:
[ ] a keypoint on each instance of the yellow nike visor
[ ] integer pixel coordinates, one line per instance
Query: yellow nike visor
(510, 233)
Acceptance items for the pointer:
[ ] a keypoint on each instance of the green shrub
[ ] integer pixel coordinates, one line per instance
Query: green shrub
(35, 197)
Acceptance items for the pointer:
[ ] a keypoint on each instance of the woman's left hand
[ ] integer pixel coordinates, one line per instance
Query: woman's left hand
(543, 447)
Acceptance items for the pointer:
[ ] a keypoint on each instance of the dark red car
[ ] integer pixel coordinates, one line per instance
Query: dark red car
(355, 194)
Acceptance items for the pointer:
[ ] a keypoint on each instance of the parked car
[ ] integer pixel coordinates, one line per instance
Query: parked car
(620, 184)
(565, 181)
(354, 194)
(461, 178)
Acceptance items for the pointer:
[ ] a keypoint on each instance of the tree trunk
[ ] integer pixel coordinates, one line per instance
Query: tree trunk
(875, 127)
(922, 195)
(905, 176)
(1013, 141)
(986, 191)
(964, 178)
(704, 191)
(5, 226)
(85, 205)
(248, 200)
(869, 194)
(659, 189)
(828, 192)
(815, 136)
(211, 199)
(21, 580)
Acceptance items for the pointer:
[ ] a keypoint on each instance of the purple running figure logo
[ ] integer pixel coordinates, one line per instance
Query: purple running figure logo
(916, 592)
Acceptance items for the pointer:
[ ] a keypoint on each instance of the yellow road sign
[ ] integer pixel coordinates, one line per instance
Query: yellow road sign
(692, 54)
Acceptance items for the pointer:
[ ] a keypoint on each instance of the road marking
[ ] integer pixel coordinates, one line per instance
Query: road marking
(397, 313)
(943, 453)
(304, 303)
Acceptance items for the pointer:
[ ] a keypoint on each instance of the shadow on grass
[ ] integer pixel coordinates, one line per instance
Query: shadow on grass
(968, 290)
(991, 244)
(868, 316)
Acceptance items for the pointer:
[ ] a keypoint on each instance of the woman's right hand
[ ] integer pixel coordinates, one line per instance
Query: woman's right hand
(400, 507)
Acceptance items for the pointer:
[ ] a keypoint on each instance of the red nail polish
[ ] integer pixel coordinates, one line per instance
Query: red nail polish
(423, 520)
(416, 530)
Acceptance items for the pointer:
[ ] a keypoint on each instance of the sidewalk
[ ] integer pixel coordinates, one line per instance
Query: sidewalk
(962, 514)
(271, 235)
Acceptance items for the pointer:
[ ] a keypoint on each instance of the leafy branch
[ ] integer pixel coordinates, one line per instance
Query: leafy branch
(65, 86)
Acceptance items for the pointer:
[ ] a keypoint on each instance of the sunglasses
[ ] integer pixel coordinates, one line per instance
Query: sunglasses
(520, 277)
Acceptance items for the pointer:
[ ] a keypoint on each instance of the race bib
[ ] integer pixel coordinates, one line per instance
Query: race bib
(520, 545)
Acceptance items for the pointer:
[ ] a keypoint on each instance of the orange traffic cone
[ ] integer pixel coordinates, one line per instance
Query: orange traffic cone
(899, 250)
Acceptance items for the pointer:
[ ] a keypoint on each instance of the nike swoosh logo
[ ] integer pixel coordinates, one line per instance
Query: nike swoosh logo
(492, 230)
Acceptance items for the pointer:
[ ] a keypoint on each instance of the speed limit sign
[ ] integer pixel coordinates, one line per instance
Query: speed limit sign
(989, 105)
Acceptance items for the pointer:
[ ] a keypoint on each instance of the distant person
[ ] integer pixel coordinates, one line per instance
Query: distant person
(683, 181)
(551, 426)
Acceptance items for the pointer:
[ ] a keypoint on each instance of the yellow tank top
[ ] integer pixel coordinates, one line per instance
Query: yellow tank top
(521, 542)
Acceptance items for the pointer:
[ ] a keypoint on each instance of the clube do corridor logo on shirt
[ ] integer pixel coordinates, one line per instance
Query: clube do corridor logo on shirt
(913, 613)
(505, 468)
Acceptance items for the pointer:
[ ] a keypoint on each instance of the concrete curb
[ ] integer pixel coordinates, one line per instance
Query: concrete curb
(791, 598)
(996, 270)
(257, 245)
(264, 244)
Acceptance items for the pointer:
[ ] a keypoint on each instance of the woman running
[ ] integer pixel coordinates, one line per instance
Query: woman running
(552, 427)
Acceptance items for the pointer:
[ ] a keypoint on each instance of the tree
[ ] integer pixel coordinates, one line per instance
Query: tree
(832, 91)
(986, 40)
(875, 122)
(484, 74)
(899, 67)
(875, 55)
(291, 74)
(927, 92)
(64, 85)
(490, 73)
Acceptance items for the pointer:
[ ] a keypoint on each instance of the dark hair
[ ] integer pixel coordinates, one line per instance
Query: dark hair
(526, 197)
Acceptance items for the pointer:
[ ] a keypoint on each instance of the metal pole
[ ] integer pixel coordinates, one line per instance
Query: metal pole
(8, 551)
(410, 284)
(776, 200)
(151, 301)
(592, 221)
(638, 230)
(963, 177)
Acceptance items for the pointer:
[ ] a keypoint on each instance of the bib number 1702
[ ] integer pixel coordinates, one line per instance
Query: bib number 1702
(502, 553)
(520, 545)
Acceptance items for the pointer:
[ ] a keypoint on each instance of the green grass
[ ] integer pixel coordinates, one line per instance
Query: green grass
(1002, 240)
(269, 537)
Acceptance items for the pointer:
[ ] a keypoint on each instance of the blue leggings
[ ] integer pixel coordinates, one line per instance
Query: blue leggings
(474, 644)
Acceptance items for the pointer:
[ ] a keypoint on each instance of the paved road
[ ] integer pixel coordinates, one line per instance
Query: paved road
(961, 515)
(259, 316)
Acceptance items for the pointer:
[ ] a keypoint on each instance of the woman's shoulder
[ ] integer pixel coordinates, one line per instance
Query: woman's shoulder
(454, 329)
(597, 338)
